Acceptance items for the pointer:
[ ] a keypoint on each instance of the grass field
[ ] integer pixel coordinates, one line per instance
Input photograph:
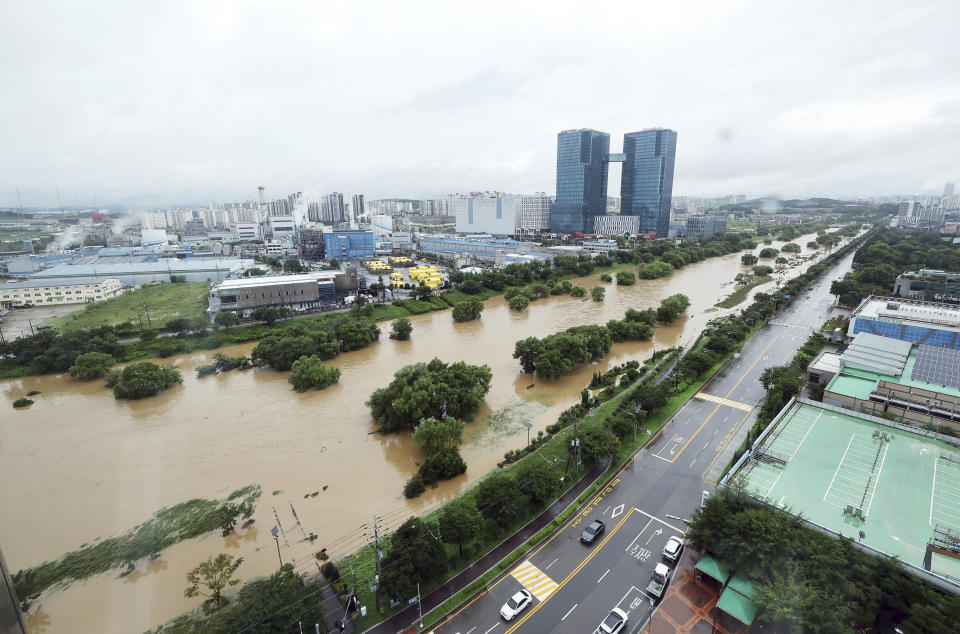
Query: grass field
(164, 302)
(741, 293)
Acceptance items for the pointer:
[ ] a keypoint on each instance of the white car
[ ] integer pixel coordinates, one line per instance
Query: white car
(515, 605)
(613, 623)
(673, 549)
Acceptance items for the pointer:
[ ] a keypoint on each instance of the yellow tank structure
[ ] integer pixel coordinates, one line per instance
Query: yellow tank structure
(401, 261)
(377, 266)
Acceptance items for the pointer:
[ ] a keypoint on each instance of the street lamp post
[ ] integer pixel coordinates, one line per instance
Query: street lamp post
(528, 425)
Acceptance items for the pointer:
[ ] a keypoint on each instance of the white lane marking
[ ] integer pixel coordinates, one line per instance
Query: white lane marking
(605, 512)
(838, 468)
(682, 531)
(905, 543)
(602, 576)
(569, 611)
(545, 569)
(638, 535)
(471, 629)
(691, 463)
(933, 491)
(491, 629)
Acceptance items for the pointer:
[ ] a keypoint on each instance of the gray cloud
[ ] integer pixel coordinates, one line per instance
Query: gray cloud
(186, 102)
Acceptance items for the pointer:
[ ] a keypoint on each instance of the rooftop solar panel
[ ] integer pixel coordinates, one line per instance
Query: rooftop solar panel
(938, 366)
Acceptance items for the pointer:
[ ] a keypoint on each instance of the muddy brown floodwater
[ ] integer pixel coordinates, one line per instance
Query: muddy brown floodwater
(79, 465)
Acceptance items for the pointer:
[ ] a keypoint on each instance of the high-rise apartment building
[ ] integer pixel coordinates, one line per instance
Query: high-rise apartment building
(488, 212)
(948, 190)
(358, 205)
(332, 209)
(646, 186)
(582, 164)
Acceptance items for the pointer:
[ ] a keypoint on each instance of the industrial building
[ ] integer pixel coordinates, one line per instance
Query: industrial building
(917, 384)
(302, 292)
(477, 250)
(349, 245)
(48, 292)
(134, 273)
(908, 320)
(929, 284)
(700, 227)
(488, 212)
(615, 224)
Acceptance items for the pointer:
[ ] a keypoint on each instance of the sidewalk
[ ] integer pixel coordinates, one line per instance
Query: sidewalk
(404, 619)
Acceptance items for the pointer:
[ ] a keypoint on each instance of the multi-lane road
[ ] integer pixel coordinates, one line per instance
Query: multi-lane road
(575, 585)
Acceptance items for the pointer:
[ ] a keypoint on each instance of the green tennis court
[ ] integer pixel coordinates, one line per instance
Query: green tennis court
(852, 475)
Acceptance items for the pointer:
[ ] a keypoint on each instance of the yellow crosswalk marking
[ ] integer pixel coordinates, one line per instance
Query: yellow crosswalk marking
(724, 401)
(534, 580)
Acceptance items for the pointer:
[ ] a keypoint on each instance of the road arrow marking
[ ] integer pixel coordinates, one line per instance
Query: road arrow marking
(617, 511)
(655, 533)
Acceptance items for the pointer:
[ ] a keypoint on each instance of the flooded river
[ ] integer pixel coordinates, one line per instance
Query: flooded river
(80, 465)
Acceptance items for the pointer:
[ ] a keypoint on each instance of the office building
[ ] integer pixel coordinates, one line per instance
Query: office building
(646, 185)
(700, 227)
(488, 212)
(615, 224)
(535, 212)
(281, 227)
(582, 165)
(349, 245)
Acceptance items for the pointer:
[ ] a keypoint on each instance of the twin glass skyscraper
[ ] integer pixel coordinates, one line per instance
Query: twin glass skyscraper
(646, 184)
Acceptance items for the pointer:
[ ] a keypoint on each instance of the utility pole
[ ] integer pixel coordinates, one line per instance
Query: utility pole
(528, 425)
(419, 608)
(376, 546)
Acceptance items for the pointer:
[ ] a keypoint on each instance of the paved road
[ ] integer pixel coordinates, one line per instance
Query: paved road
(575, 585)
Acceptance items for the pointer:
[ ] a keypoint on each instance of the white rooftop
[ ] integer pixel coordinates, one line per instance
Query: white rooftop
(909, 310)
(276, 280)
(873, 353)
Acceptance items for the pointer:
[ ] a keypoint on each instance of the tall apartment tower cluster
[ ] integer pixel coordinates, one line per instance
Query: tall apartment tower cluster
(646, 184)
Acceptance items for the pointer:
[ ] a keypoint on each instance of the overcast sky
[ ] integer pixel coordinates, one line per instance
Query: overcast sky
(150, 104)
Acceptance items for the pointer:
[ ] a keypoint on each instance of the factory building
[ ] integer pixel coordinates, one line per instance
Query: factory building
(50, 292)
(302, 292)
(145, 272)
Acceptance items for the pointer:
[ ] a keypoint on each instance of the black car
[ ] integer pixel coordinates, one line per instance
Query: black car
(592, 531)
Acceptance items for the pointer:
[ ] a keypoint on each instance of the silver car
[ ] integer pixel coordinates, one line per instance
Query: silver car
(613, 623)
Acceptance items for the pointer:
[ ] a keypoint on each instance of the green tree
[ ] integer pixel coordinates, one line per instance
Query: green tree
(226, 319)
(267, 314)
(460, 522)
(435, 389)
(528, 351)
(597, 293)
(790, 247)
(357, 334)
(422, 292)
(467, 310)
(762, 269)
(769, 252)
(748, 259)
(499, 500)
(91, 365)
(401, 329)
(294, 265)
(577, 291)
(671, 308)
(606, 277)
(538, 481)
(143, 379)
(596, 442)
(434, 435)
(308, 372)
(215, 574)
(415, 556)
(781, 261)
(519, 302)
(625, 278)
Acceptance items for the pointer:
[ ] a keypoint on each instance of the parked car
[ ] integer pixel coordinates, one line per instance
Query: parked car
(613, 623)
(515, 605)
(592, 531)
(673, 549)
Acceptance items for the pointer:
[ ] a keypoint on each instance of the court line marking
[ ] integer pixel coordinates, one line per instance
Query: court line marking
(827, 492)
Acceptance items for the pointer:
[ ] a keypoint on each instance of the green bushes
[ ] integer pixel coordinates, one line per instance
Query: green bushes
(606, 277)
(281, 351)
(308, 372)
(557, 354)
(625, 278)
(23, 401)
(655, 270)
(790, 247)
(401, 329)
(762, 270)
(468, 310)
(768, 253)
(143, 379)
(597, 293)
(91, 365)
(578, 291)
(519, 302)
(671, 308)
(205, 370)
